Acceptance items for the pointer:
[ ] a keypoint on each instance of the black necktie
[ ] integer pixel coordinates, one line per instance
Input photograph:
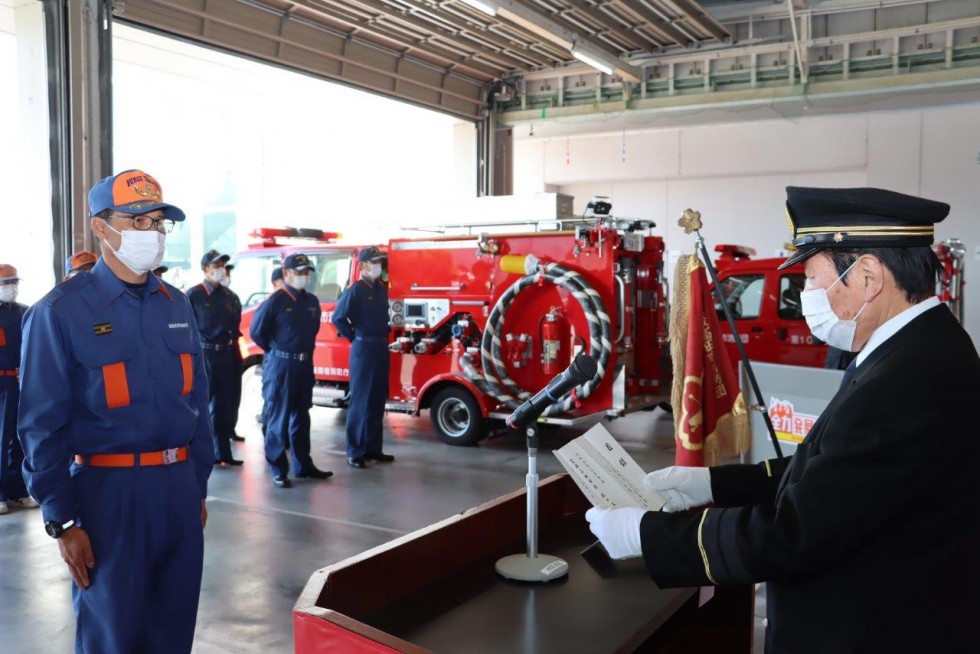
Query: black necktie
(848, 373)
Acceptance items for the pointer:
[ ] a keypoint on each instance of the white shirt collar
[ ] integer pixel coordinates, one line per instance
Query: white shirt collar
(891, 326)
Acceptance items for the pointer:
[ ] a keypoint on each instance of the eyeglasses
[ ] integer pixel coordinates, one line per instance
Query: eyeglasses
(145, 223)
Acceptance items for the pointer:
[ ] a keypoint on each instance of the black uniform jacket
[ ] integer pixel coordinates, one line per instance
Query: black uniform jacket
(869, 537)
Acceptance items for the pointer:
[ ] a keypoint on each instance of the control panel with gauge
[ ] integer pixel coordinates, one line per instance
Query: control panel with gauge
(418, 312)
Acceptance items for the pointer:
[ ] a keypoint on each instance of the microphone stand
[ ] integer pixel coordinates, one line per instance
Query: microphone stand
(532, 567)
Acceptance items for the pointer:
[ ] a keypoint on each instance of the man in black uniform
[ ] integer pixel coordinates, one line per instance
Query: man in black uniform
(13, 492)
(236, 384)
(218, 322)
(285, 327)
(361, 316)
(866, 536)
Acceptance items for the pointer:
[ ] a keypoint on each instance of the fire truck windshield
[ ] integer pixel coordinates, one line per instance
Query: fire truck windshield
(252, 275)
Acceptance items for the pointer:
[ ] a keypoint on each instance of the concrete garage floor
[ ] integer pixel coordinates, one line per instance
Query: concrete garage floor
(262, 543)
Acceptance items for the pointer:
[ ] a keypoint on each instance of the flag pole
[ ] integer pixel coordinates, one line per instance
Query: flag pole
(691, 222)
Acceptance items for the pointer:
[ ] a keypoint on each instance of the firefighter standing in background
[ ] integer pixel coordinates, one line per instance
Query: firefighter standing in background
(81, 261)
(361, 316)
(218, 324)
(13, 492)
(866, 537)
(113, 382)
(236, 384)
(285, 327)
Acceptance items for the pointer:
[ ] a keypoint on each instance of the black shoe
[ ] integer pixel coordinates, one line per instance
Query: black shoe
(282, 481)
(356, 462)
(236, 437)
(380, 457)
(314, 473)
(229, 462)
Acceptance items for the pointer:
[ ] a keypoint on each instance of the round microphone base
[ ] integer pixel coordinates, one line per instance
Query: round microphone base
(536, 570)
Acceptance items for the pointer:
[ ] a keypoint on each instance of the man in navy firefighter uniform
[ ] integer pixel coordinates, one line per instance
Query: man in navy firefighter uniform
(361, 316)
(218, 314)
(13, 492)
(113, 381)
(285, 327)
(866, 537)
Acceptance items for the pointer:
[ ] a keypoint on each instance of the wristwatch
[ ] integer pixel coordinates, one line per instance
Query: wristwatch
(56, 529)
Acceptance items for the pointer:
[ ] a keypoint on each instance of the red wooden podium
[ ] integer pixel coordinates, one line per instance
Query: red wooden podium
(435, 590)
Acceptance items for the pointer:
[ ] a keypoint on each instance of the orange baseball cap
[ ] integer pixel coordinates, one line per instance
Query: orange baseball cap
(8, 273)
(133, 192)
(79, 259)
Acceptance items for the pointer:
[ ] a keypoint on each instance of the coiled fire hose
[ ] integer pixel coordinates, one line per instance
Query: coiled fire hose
(495, 381)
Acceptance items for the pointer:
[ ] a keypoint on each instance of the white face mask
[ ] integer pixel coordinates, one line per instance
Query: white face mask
(225, 281)
(140, 251)
(8, 292)
(824, 323)
(217, 276)
(299, 282)
(374, 270)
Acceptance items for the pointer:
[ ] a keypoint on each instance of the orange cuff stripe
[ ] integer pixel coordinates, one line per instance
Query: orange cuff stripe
(187, 365)
(116, 386)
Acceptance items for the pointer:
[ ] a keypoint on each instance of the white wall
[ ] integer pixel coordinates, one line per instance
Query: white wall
(735, 174)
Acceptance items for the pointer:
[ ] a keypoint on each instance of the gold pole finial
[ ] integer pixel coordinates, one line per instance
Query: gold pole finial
(690, 221)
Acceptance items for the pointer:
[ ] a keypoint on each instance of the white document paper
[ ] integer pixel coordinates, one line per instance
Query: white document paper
(606, 473)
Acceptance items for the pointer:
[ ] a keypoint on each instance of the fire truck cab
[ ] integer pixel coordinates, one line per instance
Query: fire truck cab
(765, 303)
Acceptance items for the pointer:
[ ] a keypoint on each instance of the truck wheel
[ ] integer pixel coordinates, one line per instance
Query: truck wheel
(252, 390)
(456, 417)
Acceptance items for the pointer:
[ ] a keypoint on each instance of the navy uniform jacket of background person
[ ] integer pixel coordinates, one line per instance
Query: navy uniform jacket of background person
(217, 312)
(283, 322)
(11, 317)
(362, 310)
(870, 535)
(94, 381)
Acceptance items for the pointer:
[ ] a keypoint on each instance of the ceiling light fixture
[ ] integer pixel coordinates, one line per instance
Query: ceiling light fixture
(480, 5)
(588, 59)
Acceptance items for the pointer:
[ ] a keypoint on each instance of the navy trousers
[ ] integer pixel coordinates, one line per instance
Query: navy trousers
(368, 393)
(145, 528)
(287, 389)
(224, 370)
(11, 454)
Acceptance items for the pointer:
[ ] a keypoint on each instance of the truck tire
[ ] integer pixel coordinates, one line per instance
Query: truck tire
(252, 389)
(456, 417)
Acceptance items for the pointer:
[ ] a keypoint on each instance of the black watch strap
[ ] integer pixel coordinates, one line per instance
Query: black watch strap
(57, 529)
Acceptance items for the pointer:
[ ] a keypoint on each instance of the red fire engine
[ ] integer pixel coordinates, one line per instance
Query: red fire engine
(765, 303)
(480, 322)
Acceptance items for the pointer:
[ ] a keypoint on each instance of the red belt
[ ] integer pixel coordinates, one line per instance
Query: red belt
(9, 373)
(161, 458)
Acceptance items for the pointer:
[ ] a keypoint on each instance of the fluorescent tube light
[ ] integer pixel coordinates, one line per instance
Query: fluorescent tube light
(591, 61)
(480, 5)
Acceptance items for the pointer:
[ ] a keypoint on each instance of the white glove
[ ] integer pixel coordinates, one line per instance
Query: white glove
(618, 530)
(681, 486)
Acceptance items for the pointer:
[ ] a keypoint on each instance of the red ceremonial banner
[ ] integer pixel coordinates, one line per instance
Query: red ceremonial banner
(710, 416)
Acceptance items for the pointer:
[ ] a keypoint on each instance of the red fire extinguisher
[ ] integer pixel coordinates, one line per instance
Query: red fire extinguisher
(551, 329)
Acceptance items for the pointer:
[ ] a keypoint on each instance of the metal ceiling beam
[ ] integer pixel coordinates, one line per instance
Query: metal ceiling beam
(696, 13)
(485, 35)
(655, 22)
(381, 20)
(530, 18)
(607, 22)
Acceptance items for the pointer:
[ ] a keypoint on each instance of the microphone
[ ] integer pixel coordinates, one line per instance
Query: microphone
(581, 370)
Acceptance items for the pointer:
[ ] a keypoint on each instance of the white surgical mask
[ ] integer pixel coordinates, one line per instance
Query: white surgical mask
(225, 281)
(824, 323)
(8, 292)
(374, 270)
(140, 251)
(217, 276)
(299, 282)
